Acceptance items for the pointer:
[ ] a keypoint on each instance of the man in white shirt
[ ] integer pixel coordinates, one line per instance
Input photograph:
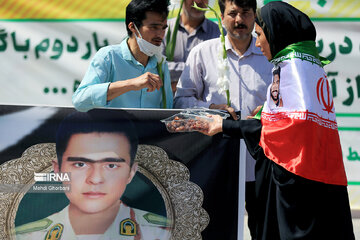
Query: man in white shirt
(193, 29)
(98, 151)
(249, 73)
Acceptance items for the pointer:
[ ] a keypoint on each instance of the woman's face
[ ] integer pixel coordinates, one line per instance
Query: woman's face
(262, 42)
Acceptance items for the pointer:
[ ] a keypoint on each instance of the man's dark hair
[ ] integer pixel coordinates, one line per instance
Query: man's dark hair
(277, 71)
(136, 11)
(98, 121)
(239, 3)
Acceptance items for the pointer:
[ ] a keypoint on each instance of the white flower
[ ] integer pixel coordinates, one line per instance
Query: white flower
(223, 81)
(223, 67)
(223, 84)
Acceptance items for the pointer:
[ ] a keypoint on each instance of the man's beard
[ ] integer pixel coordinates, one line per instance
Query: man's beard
(274, 98)
(241, 36)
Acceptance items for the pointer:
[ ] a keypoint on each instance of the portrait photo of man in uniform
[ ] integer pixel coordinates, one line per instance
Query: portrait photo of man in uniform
(99, 152)
(275, 88)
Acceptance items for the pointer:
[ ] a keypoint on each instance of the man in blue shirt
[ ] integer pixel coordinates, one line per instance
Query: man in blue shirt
(126, 75)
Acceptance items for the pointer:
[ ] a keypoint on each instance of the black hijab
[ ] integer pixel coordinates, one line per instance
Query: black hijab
(284, 25)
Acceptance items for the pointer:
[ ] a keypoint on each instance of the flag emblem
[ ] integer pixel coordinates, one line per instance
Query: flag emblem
(323, 94)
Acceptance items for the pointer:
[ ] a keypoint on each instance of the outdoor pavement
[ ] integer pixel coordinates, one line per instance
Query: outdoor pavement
(356, 224)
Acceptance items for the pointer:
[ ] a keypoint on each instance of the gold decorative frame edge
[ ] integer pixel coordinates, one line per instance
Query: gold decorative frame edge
(186, 197)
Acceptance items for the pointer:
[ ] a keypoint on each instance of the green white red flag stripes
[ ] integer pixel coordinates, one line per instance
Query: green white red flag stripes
(299, 123)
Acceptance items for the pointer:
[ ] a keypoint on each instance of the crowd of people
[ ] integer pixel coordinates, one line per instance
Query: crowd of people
(290, 187)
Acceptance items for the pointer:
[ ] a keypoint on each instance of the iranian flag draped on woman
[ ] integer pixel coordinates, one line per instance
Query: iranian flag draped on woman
(304, 176)
(305, 124)
(301, 185)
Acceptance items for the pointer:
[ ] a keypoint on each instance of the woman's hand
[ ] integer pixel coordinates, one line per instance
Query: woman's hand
(215, 126)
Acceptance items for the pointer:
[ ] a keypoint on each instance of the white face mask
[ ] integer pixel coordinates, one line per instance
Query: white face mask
(148, 48)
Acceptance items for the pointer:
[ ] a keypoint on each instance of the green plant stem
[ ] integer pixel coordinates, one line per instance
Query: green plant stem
(170, 47)
(161, 74)
(228, 97)
(222, 36)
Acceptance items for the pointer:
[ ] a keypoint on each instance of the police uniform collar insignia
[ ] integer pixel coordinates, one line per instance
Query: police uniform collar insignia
(55, 232)
(34, 226)
(128, 227)
(156, 219)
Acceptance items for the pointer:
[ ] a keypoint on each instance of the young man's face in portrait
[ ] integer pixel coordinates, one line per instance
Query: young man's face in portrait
(239, 22)
(99, 164)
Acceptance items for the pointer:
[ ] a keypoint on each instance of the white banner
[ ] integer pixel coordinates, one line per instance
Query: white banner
(43, 62)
